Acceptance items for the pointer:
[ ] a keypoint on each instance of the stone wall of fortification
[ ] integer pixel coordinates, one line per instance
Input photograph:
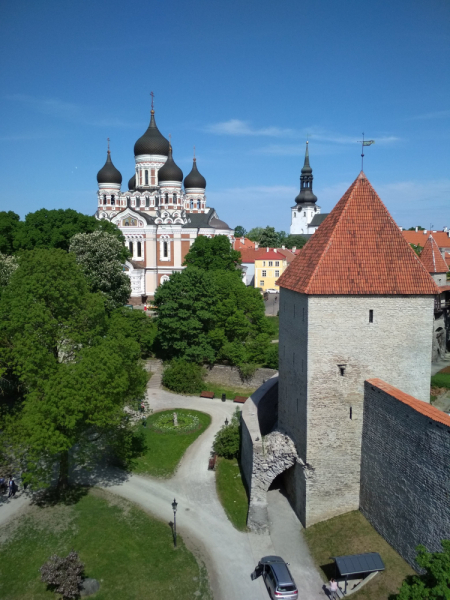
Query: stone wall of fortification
(405, 474)
(328, 347)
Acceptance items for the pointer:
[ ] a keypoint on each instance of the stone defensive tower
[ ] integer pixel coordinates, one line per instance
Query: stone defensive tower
(357, 303)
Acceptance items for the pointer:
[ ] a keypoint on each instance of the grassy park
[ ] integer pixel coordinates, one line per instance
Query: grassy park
(127, 551)
(232, 492)
(353, 534)
(164, 449)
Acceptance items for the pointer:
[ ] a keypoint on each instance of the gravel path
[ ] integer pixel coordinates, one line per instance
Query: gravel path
(230, 555)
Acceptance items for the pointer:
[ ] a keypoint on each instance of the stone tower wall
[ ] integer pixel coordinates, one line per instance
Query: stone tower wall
(405, 474)
(321, 409)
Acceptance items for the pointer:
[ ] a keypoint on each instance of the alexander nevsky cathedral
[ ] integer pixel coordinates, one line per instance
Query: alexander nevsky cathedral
(160, 215)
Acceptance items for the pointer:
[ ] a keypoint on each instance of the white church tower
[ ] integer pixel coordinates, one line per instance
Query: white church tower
(305, 208)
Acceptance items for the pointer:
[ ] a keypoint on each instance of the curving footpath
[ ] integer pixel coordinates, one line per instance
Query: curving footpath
(230, 555)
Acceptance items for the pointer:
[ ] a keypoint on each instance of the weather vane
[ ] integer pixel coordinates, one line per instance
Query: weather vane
(153, 96)
(364, 143)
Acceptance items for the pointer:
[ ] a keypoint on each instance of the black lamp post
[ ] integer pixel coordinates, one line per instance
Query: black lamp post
(174, 507)
(226, 422)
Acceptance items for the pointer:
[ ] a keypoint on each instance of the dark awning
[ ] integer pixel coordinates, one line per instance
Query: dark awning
(359, 563)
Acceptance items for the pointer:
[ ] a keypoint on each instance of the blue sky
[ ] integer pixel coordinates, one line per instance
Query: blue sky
(243, 81)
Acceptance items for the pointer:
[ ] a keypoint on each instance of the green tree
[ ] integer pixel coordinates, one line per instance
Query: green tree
(55, 228)
(75, 376)
(240, 231)
(295, 240)
(434, 584)
(100, 256)
(135, 325)
(213, 254)
(419, 228)
(183, 377)
(8, 264)
(269, 238)
(255, 234)
(9, 222)
(228, 438)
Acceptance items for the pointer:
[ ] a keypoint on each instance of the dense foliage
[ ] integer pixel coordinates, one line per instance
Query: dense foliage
(48, 229)
(8, 264)
(227, 440)
(213, 254)
(268, 237)
(183, 377)
(209, 316)
(435, 583)
(240, 231)
(135, 325)
(74, 376)
(101, 256)
(63, 575)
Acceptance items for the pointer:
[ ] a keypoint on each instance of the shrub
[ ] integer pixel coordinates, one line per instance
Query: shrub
(183, 377)
(441, 380)
(63, 575)
(227, 440)
(247, 370)
(272, 357)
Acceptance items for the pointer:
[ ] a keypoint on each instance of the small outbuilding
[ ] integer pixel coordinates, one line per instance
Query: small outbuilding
(356, 570)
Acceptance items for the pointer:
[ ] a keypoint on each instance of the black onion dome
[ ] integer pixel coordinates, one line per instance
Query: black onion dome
(170, 171)
(132, 183)
(108, 173)
(152, 142)
(195, 179)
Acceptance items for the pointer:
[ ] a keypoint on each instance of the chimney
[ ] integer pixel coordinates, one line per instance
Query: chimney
(417, 229)
(424, 232)
(242, 240)
(283, 247)
(256, 245)
(274, 249)
(267, 249)
(294, 248)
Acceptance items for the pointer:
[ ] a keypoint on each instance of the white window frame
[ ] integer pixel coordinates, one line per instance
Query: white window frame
(277, 263)
(264, 274)
(277, 273)
(165, 238)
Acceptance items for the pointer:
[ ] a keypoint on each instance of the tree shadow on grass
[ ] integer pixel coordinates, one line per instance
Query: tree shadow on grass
(53, 496)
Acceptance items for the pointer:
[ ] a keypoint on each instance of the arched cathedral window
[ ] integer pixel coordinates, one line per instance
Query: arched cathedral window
(113, 200)
(174, 198)
(104, 199)
(146, 177)
(156, 200)
(130, 247)
(198, 204)
(139, 249)
(138, 201)
(192, 204)
(167, 198)
(165, 249)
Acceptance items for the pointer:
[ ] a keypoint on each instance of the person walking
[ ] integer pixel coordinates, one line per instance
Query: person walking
(333, 589)
(11, 487)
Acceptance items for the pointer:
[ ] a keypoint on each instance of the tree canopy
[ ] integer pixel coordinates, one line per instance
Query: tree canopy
(240, 231)
(255, 234)
(213, 254)
(268, 237)
(54, 229)
(75, 375)
(434, 584)
(9, 222)
(101, 256)
(205, 316)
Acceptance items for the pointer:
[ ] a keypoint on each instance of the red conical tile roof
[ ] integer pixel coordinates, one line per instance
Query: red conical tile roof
(358, 249)
(432, 258)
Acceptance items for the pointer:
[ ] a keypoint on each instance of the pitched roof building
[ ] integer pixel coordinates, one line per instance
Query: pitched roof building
(358, 250)
(432, 257)
(419, 238)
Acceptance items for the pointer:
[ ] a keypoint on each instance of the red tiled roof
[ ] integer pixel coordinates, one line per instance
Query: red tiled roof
(432, 258)
(419, 238)
(247, 243)
(358, 249)
(249, 255)
(423, 407)
(447, 258)
(289, 255)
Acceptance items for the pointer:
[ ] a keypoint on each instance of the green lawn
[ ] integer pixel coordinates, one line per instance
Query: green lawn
(274, 323)
(232, 492)
(353, 534)
(164, 450)
(130, 553)
(441, 379)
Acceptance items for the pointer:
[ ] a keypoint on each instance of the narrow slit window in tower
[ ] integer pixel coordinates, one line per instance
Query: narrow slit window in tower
(342, 370)
(351, 413)
(370, 316)
(139, 249)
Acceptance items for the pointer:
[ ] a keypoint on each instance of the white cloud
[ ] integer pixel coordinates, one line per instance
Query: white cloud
(242, 128)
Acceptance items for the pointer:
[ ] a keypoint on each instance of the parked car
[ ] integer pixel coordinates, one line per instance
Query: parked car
(278, 578)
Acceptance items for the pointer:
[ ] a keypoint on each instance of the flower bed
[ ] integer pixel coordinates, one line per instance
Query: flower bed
(186, 422)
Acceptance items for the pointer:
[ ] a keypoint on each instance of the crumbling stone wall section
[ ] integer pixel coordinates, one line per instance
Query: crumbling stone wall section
(405, 474)
(329, 345)
(226, 375)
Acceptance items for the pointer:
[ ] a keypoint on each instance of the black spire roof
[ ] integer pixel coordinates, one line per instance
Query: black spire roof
(152, 142)
(306, 182)
(132, 183)
(108, 173)
(170, 171)
(195, 179)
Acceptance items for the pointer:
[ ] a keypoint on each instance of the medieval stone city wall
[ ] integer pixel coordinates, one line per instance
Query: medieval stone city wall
(328, 347)
(405, 474)
(226, 375)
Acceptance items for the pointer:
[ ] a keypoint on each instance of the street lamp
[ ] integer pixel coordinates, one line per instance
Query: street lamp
(226, 422)
(174, 507)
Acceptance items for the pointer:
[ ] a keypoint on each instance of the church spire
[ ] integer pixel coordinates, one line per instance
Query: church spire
(306, 182)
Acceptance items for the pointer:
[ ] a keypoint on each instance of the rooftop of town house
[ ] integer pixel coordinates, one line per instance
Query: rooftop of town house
(432, 257)
(422, 407)
(249, 255)
(358, 250)
(419, 238)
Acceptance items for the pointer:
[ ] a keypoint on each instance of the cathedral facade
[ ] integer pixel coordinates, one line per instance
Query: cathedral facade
(160, 214)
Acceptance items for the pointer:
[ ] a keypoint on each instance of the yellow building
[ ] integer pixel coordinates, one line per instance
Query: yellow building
(269, 266)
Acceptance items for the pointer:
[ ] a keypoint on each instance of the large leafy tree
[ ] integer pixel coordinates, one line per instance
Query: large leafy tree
(8, 264)
(55, 228)
(295, 240)
(100, 256)
(9, 222)
(135, 325)
(209, 316)
(240, 231)
(434, 584)
(213, 254)
(255, 234)
(269, 238)
(75, 376)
